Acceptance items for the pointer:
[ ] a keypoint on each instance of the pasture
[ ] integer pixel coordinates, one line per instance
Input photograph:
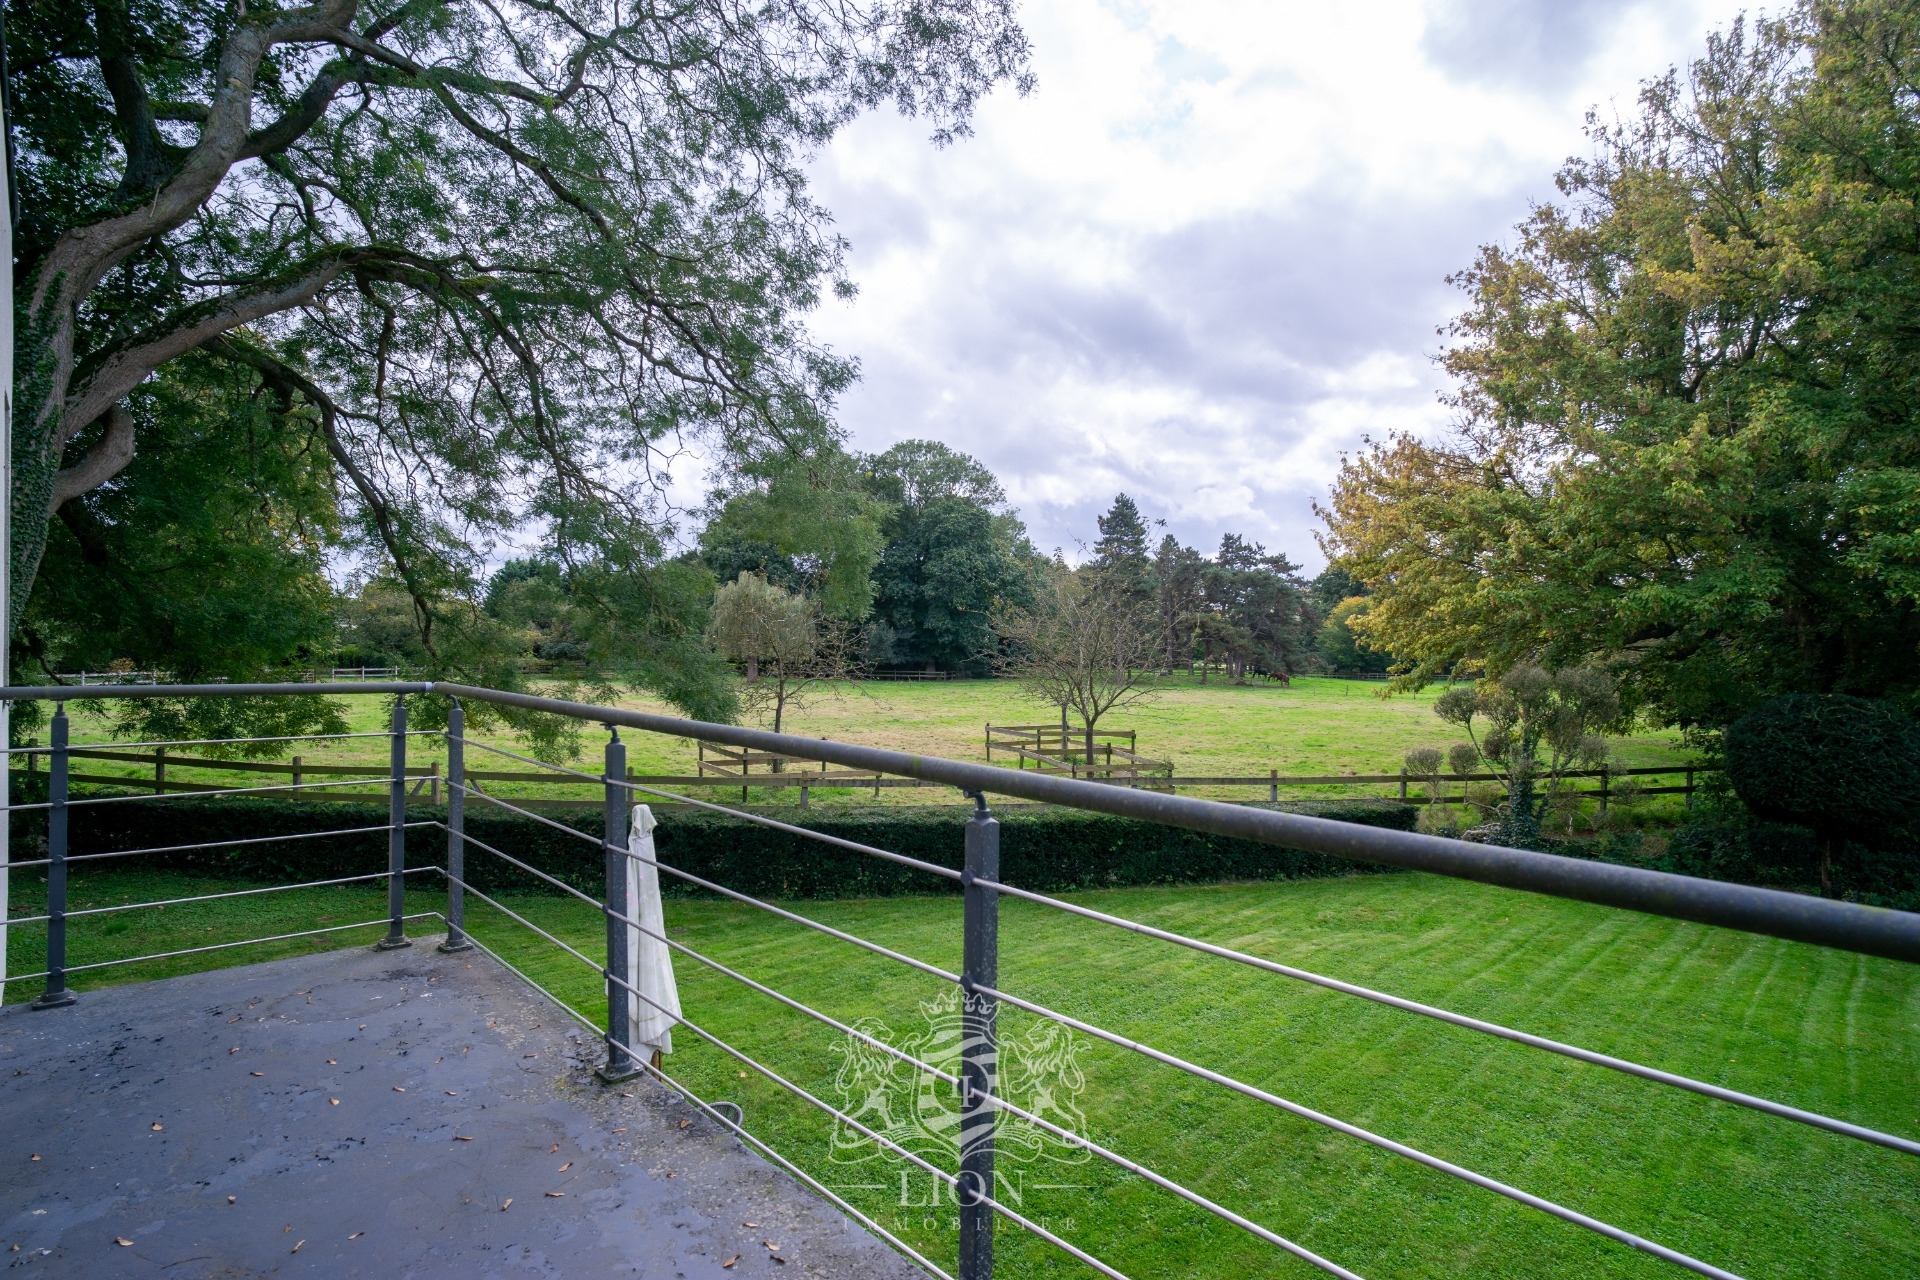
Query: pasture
(1317, 725)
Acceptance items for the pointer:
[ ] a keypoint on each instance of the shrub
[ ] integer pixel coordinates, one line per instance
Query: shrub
(1845, 768)
(1043, 849)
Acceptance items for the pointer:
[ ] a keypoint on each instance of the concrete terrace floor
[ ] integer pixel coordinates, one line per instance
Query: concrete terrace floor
(151, 1106)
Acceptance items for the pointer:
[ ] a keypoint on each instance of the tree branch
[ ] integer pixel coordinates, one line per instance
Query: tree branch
(107, 459)
(127, 368)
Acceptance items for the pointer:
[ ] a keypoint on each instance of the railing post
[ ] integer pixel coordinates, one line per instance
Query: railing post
(979, 1052)
(56, 993)
(456, 831)
(397, 834)
(621, 1064)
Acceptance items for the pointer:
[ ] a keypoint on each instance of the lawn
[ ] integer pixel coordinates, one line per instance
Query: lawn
(1761, 1197)
(1316, 726)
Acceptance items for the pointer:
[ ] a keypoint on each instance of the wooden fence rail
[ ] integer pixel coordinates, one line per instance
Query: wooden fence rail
(732, 770)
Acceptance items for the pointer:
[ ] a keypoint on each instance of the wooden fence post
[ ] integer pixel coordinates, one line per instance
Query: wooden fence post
(1273, 786)
(159, 770)
(296, 775)
(1403, 783)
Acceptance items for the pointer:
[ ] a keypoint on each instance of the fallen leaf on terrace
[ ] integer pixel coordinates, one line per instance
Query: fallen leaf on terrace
(333, 1102)
(296, 1248)
(728, 1264)
(556, 1194)
(503, 1208)
(461, 1137)
(232, 1199)
(157, 1126)
(356, 1235)
(563, 1168)
(256, 1073)
(122, 1241)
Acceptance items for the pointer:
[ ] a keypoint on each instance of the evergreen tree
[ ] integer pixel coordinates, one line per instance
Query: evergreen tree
(1176, 598)
(1121, 552)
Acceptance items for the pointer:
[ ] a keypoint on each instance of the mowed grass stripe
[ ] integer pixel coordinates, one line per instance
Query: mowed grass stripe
(1762, 1197)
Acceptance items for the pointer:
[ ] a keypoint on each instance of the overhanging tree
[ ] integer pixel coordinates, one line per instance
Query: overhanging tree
(1689, 396)
(499, 259)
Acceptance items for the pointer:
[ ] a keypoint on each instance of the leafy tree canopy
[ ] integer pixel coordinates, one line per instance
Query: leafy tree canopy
(1849, 768)
(954, 555)
(916, 472)
(1689, 442)
(806, 522)
(488, 264)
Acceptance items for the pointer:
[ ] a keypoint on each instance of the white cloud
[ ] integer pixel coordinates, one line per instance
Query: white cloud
(1207, 254)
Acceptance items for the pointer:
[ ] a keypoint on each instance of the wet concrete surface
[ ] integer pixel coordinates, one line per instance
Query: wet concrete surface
(357, 1113)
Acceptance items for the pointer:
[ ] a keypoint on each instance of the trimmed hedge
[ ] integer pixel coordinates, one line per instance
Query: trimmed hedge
(1044, 849)
(1771, 855)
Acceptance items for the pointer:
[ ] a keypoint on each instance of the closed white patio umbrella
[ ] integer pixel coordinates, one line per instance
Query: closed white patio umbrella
(649, 961)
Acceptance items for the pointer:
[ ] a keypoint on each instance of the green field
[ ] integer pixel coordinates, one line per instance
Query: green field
(1316, 726)
(1761, 1197)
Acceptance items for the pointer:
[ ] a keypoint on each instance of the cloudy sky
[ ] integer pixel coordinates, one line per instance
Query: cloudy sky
(1207, 254)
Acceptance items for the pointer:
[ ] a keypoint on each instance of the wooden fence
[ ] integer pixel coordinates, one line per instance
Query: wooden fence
(727, 767)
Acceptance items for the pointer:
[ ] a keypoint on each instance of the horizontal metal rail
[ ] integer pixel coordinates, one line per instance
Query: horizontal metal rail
(1767, 1106)
(1537, 1202)
(235, 893)
(220, 844)
(1160, 1180)
(178, 795)
(100, 692)
(711, 1111)
(77, 747)
(805, 1178)
(222, 946)
(1797, 917)
(1414, 1154)
(757, 819)
(783, 913)
(1627, 1066)
(798, 1091)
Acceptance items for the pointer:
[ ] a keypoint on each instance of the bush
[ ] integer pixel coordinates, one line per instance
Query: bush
(1729, 845)
(1845, 768)
(1044, 849)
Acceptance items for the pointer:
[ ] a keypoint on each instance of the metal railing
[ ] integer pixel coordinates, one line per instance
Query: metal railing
(972, 1180)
